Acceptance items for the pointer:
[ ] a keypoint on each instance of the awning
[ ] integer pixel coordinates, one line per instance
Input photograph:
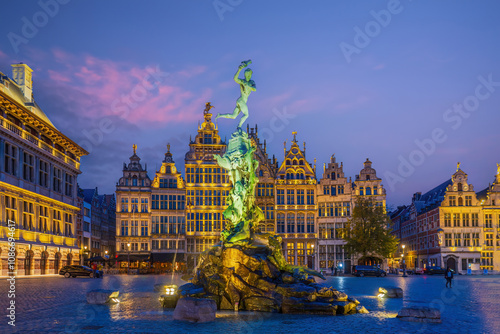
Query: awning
(96, 259)
(167, 257)
(132, 257)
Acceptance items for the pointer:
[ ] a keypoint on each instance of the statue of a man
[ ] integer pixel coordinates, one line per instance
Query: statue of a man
(246, 86)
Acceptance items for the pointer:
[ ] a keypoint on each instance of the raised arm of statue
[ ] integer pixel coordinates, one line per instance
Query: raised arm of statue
(236, 79)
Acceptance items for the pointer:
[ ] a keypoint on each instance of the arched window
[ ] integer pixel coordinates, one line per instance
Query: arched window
(361, 192)
(375, 191)
(290, 223)
(280, 219)
(368, 190)
(460, 201)
(301, 223)
(301, 162)
(333, 176)
(288, 162)
(310, 223)
(294, 162)
(459, 187)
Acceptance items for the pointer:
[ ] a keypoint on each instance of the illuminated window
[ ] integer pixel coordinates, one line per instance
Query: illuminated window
(466, 220)
(280, 222)
(447, 220)
(452, 201)
(326, 190)
(124, 204)
(468, 200)
(310, 223)
(28, 216)
(447, 240)
(124, 228)
(300, 196)
(56, 222)
(475, 220)
(290, 223)
(68, 224)
(457, 239)
(280, 196)
(475, 239)
(11, 208)
(456, 220)
(488, 220)
(466, 239)
(144, 228)
(300, 223)
(43, 217)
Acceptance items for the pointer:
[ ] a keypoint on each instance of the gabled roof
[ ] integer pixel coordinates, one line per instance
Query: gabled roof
(483, 194)
(432, 198)
(88, 195)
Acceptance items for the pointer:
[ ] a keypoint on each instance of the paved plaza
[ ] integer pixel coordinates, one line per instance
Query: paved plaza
(58, 305)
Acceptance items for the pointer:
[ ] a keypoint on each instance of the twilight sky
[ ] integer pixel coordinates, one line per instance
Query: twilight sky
(412, 85)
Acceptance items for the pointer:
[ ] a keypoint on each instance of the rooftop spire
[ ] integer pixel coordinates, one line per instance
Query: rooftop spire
(134, 147)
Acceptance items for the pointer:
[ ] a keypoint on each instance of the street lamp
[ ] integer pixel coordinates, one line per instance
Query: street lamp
(312, 256)
(404, 264)
(128, 258)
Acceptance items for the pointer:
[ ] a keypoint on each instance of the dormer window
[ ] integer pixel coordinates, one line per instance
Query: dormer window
(207, 138)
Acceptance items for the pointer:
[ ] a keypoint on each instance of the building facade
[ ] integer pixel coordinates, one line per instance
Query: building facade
(133, 215)
(296, 209)
(207, 187)
(451, 226)
(334, 210)
(168, 220)
(39, 166)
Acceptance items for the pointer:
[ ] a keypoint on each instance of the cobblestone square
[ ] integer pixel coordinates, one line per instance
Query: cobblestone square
(58, 305)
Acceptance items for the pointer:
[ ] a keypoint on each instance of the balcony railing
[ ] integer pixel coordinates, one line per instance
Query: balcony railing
(37, 142)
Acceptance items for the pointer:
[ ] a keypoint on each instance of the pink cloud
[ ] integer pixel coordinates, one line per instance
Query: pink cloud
(56, 76)
(3, 55)
(140, 95)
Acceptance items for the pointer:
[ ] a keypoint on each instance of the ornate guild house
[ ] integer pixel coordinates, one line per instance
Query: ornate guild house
(39, 167)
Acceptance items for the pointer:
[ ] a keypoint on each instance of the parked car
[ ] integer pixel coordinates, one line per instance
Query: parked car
(408, 271)
(73, 271)
(419, 271)
(361, 271)
(434, 270)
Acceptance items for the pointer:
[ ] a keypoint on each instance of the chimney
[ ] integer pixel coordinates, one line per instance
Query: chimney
(21, 74)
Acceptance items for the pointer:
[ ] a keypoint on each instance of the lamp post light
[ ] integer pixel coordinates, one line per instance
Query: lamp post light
(128, 258)
(312, 256)
(404, 263)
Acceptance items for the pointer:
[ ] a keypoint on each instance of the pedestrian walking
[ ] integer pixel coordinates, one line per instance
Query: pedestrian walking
(94, 269)
(448, 275)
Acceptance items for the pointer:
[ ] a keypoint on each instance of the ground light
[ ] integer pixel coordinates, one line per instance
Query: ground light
(170, 297)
